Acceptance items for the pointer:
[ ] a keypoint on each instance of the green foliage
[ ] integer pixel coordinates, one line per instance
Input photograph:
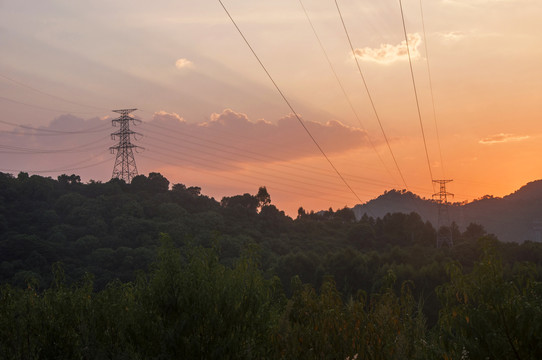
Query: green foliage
(323, 326)
(195, 308)
(485, 314)
(189, 305)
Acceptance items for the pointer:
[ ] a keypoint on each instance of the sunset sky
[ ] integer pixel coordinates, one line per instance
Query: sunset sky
(211, 117)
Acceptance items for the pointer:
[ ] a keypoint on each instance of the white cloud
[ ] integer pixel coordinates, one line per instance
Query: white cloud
(456, 36)
(453, 36)
(183, 63)
(388, 53)
(502, 138)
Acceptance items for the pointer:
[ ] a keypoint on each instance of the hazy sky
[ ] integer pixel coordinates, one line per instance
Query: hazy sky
(212, 118)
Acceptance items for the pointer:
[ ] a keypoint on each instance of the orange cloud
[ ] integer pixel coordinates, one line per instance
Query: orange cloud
(502, 138)
(388, 53)
(232, 138)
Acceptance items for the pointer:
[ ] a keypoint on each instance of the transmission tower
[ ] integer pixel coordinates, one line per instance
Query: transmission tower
(125, 166)
(444, 231)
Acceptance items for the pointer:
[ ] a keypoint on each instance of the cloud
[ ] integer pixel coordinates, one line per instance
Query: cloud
(232, 138)
(183, 63)
(68, 144)
(502, 138)
(388, 53)
(453, 36)
(163, 116)
(456, 36)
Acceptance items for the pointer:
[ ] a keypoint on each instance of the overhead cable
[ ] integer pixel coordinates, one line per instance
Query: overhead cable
(51, 132)
(341, 86)
(51, 95)
(43, 107)
(416, 93)
(369, 95)
(290, 106)
(431, 90)
(249, 154)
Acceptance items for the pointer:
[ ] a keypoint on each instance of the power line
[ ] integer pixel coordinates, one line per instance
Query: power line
(288, 103)
(51, 132)
(219, 157)
(236, 151)
(243, 179)
(51, 95)
(257, 141)
(42, 107)
(431, 88)
(415, 92)
(58, 169)
(341, 85)
(10, 149)
(239, 155)
(260, 179)
(369, 95)
(274, 172)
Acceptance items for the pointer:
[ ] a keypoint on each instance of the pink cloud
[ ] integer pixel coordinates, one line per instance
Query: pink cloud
(233, 138)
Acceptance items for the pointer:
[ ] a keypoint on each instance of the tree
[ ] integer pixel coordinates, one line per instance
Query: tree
(194, 190)
(263, 197)
(485, 315)
(155, 183)
(246, 202)
(361, 235)
(345, 215)
(158, 183)
(474, 232)
(69, 180)
(301, 212)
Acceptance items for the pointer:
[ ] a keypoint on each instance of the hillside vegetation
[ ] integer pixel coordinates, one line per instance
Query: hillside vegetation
(148, 270)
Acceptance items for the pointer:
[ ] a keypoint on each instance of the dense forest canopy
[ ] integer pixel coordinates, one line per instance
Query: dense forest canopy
(168, 255)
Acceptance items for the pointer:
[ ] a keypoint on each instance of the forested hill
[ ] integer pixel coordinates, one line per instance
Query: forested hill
(153, 270)
(515, 217)
(112, 229)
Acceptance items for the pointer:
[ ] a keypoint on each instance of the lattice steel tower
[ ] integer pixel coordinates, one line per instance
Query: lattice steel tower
(125, 166)
(444, 231)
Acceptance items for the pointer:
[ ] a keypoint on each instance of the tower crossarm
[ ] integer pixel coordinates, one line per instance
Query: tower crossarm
(442, 195)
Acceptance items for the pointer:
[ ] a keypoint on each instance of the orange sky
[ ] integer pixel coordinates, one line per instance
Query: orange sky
(212, 118)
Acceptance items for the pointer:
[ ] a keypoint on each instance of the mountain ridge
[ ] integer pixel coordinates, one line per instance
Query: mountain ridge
(516, 217)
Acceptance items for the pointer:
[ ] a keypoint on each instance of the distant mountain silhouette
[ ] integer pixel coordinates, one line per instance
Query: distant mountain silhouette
(516, 217)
